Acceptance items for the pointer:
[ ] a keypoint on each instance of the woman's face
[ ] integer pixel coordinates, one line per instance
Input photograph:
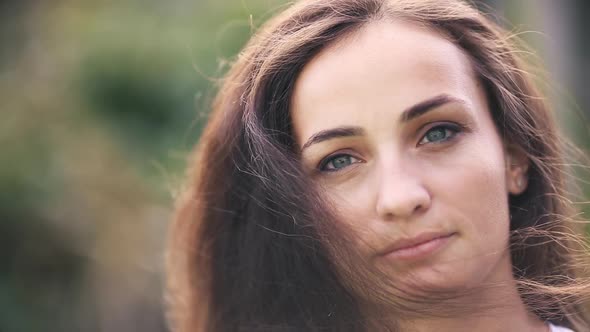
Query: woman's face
(395, 128)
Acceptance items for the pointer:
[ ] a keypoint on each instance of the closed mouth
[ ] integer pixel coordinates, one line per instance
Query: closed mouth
(418, 246)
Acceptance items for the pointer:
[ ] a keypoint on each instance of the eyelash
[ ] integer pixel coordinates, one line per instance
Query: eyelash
(453, 128)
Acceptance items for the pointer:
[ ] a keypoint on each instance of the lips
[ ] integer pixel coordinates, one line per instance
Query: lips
(418, 246)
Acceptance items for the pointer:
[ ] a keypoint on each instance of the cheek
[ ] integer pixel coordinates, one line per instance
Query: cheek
(473, 181)
(473, 189)
(352, 194)
(355, 208)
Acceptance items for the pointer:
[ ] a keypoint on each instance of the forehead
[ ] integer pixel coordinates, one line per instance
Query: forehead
(377, 72)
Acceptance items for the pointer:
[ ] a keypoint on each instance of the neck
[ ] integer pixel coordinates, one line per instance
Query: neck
(505, 318)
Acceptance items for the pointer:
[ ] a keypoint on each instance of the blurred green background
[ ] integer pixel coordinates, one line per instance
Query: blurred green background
(100, 103)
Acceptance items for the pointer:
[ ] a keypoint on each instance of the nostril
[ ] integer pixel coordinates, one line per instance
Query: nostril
(399, 196)
(419, 208)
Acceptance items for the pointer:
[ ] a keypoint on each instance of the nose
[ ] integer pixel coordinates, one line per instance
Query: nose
(400, 194)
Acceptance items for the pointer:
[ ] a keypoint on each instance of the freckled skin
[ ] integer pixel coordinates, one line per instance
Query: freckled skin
(396, 187)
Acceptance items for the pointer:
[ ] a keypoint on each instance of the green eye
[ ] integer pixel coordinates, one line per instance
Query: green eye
(439, 134)
(337, 162)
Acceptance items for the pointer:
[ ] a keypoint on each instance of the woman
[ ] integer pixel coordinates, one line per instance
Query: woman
(377, 165)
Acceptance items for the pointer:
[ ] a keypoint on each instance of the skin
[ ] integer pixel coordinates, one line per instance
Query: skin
(445, 171)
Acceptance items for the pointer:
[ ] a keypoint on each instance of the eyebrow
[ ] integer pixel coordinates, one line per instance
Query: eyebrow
(427, 105)
(328, 134)
(409, 114)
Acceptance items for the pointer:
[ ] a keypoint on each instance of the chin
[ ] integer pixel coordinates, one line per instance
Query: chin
(457, 277)
(440, 278)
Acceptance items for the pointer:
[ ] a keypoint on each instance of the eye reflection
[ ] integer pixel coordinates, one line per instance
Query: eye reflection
(439, 134)
(337, 162)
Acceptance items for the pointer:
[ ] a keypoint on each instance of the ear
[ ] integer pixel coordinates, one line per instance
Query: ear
(517, 166)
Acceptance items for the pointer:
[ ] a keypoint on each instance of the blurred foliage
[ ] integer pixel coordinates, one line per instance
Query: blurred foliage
(101, 103)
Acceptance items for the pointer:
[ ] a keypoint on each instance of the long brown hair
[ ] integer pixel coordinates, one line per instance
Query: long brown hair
(252, 245)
